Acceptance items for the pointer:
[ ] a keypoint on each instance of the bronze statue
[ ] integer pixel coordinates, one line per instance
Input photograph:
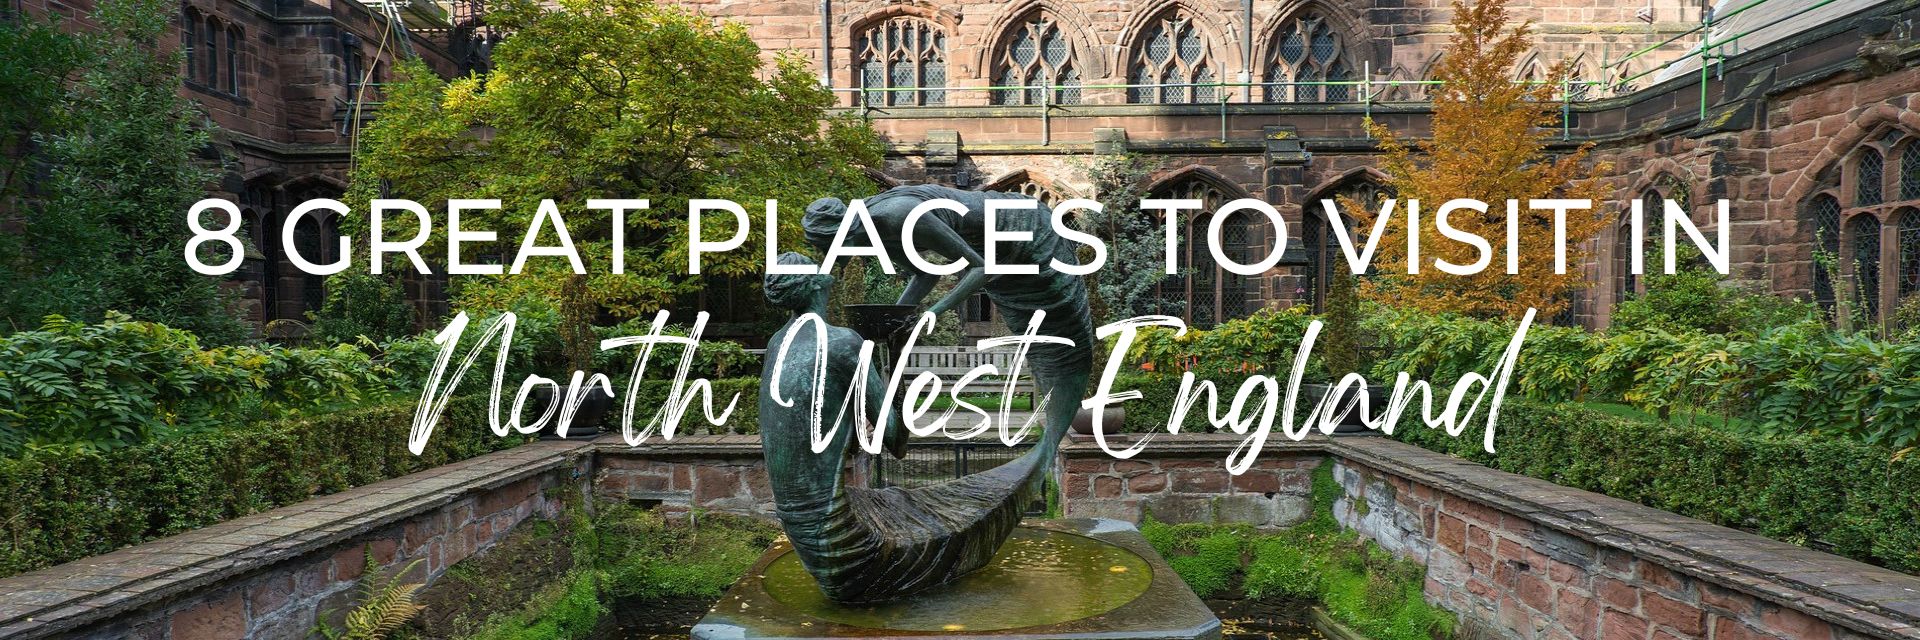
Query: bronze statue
(867, 545)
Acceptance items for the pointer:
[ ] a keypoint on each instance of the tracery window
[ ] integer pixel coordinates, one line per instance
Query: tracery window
(1205, 294)
(1025, 185)
(1867, 187)
(1175, 54)
(209, 56)
(1653, 207)
(1865, 263)
(190, 40)
(1307, 49)
(1036, 54)
(1823, 212)
(1324, 257)
(1869, 226)
(903, 53)
(1909, 244)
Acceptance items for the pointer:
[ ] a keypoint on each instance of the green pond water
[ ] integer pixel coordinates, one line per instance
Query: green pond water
(1039, 577)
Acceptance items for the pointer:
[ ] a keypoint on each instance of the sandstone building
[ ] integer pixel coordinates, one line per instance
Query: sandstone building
(1801, 118)
(1803, 122)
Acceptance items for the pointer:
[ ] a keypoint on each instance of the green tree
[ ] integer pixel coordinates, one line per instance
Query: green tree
(121, 167)
(614, 99)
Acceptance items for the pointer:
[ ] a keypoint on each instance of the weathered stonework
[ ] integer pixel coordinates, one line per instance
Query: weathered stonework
(1174, 485)
(275, 575)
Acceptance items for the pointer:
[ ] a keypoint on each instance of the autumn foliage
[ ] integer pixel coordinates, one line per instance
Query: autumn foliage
(1488, 144)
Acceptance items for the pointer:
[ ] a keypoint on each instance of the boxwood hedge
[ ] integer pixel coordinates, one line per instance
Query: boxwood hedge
(65, 505)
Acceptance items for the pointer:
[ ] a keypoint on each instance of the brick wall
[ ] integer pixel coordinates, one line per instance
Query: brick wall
(714, 480)
(1184, 487)
(275, 575)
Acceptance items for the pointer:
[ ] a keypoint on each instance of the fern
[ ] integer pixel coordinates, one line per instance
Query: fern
(386, 604)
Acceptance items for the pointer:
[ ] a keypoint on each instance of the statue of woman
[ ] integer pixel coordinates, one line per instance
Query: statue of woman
(1060, 372)
(863, 544)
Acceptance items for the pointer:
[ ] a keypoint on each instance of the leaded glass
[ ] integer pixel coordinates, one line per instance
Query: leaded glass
(1307, 49)
(1036, 54)
(1823, 212)
(1867, 186)
(1909, 264)
(1175, 54)
(1866, 263)
(903, 53)
(1204, 294)
(1910, 172)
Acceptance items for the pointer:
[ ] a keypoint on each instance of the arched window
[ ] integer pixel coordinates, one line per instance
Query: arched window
(1174, 53)
(190, 40)
(1037, 53)
(1307, 49)
(1823, 215)
(903, 53)
(1204, 294)
(1865, 263)
(1324, 256)
(233, 60)
(1024, 184)
(1910, 172)
(209, 54)
(1867, 188)
(1909, 242)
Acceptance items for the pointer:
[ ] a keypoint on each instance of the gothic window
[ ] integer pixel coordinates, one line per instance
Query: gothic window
(1035, 55)
(1823, 212)
(233, 60)
(903, 53)
(1174, 54)
(1204, 293)
(1867, 187)
(1307, 49)
(1910, 172)
(209, 56)
(1026, 186)
(1866, 263)
(190, 40)
(1909, 243)
(1324, 257)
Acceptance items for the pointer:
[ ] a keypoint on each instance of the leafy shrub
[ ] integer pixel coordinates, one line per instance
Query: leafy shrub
(645, 556)
(64, 505)
(1858, 500)
(121, 382)
(1697, 299)
(363, 306)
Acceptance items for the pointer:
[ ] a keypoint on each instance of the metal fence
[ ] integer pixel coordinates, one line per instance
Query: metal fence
(929, 463)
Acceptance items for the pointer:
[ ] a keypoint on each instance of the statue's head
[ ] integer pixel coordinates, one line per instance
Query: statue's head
(794, 292)
(822, 221)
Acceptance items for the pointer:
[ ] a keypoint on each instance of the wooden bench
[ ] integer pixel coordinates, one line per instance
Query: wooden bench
(952, 362)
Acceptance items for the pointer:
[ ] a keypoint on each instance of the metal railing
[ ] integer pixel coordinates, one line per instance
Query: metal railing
(1369, 90)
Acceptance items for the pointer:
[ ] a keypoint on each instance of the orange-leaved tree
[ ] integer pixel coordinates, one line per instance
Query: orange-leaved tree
(1488, 144)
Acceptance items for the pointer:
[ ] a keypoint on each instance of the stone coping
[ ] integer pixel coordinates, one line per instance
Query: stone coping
(1847, 593)
(65, 597)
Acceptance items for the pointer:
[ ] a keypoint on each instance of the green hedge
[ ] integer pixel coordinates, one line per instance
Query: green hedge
(62, 506)
(1856, 499)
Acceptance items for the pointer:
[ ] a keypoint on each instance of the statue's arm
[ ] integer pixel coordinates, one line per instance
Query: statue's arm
(943, 240)
(917, 288)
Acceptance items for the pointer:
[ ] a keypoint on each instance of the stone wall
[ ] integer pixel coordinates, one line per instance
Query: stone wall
(1529, 560)
(1187, 484)
(709, 473)
(275, 575)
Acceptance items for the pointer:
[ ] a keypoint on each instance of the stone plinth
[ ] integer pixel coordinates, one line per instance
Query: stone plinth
(1076, 578)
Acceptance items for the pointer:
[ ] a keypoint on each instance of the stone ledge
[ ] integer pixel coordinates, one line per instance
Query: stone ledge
(1860, 597)
(66, 597)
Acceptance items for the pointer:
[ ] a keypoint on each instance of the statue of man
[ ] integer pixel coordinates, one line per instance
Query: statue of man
(1061, 372)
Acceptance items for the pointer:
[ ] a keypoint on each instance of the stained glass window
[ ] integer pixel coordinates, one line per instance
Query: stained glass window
(903, 53)
(1867, 188)
(1035, 55)
(1176, 55)
(1307, 49)
(1866, 263)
